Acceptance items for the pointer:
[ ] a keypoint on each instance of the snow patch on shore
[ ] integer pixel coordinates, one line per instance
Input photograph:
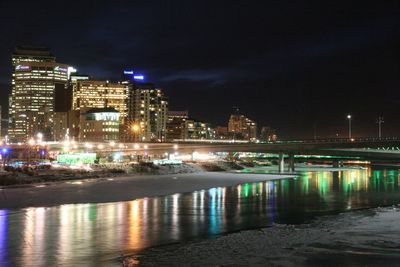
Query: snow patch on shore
(366, 237)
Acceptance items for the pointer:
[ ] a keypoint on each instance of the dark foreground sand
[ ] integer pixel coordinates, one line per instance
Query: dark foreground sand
(358, 238)
(114, 189)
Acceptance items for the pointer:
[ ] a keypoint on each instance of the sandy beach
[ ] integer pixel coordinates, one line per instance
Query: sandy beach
(357, 238)
(122, 188)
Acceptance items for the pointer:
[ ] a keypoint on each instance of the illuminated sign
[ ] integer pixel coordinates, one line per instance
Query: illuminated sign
(22, 67)
(138, 77)
(106, 116)
(76, 78)
(71, 70)
(135, 77)
(78, 158)
(58, 68)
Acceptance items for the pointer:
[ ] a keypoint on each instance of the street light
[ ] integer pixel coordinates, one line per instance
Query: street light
(40, 137)
(135, 129)
(31, 142)
(379, 121)
(349, 118)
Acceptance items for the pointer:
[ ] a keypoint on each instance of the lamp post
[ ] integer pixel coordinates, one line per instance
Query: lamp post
(349, 118)
(379, 121)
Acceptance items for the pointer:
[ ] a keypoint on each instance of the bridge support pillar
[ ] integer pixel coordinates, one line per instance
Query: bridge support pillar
(291, 163)
(281, 162)
(337, 163)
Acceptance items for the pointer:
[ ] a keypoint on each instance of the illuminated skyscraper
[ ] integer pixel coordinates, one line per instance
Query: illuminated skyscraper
(95, 94)
(98, 94)
(147, 111)
(36, 77)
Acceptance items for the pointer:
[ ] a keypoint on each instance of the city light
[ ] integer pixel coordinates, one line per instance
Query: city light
(138, 77)
(71, 70)
(349, 118)
(88, 145)
(31, 142)
(135, 128)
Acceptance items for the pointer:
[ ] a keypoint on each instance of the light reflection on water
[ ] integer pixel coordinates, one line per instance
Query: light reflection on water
(96, 234)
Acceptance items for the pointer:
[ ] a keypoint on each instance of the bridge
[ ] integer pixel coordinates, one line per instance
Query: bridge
(363, 148)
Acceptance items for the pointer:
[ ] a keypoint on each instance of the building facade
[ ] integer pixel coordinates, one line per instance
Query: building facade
(36, 77)
(198, 130)
(242, 128)
(268, 134)
(176, 124)
(66, 125)
(147, 113)
(99, 125)
(88, 93)
(221, 132)
(98, 94)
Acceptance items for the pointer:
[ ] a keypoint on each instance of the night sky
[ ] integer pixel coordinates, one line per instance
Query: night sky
(292, 65)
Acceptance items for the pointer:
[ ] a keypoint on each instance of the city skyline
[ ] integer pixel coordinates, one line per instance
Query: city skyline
(317, 61)
(207, 133)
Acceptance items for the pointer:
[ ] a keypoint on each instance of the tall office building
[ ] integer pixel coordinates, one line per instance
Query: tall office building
(98, 94)
(147, 110)
(147, 113)
(36, 77)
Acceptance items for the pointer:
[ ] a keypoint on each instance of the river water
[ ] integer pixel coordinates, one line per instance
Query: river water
(97, 234)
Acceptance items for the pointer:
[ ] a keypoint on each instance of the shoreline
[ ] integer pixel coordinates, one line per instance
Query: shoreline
(122, 188)
(361, 237)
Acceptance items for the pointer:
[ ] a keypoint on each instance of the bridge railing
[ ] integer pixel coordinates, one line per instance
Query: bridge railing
(340, 140)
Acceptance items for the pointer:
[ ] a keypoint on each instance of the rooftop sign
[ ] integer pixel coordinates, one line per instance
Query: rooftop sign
(22, 67)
